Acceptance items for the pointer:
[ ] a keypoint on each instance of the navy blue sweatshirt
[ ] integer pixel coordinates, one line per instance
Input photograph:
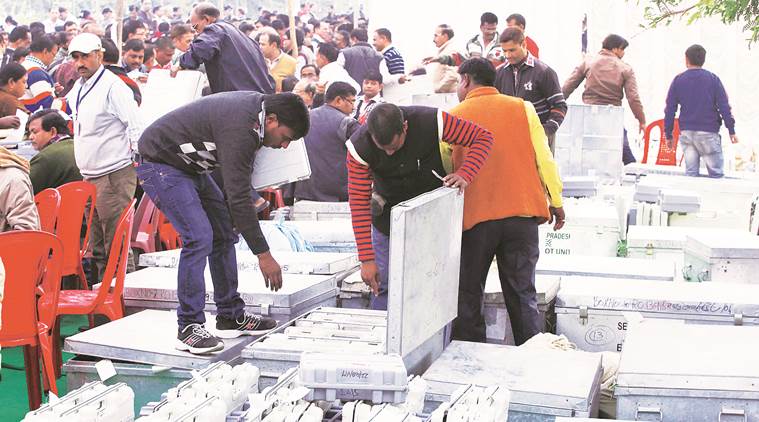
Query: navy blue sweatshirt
(234, 62)
(703, 103)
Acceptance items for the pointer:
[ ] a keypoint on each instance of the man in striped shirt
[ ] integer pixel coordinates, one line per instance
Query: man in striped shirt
(526, 77)
(40, 87)
(397, 155)
(392, 67)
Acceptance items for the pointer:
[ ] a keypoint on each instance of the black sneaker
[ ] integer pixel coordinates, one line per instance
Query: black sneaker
(246, 325)
(197, 340)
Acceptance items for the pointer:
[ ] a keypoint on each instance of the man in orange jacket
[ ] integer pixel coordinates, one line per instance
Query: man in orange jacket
(518, 188)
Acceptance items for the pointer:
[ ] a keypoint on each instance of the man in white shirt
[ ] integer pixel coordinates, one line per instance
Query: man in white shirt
(106, 131)
(51, 21)
(330, 70)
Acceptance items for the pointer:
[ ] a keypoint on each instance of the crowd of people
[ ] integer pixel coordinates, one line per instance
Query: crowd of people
(271, 81)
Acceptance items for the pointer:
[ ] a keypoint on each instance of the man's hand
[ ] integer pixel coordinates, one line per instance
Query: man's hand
(10, 122)
(641, 127)
(271, 271)
(428, 60)
(734, 139)
(174, 70)
(557, 217)
(58, 88)
(321, 87)
(453, 180)
(370, 276)
(402, 80)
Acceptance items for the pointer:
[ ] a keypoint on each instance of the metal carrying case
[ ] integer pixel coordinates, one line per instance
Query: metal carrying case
(589, 142)
(722, 257)
(156, 288)
(695, 373)
(291, 262)
(544, 384)
(590, 312)
(592, 228)
(497, 323)
(600, 266)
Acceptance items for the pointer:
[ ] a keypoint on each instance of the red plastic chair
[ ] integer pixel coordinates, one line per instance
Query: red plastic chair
(76, 198)
(48, 204)
(145, 230)
(167, 235)
(275, 198)
(31, 271)
(666, 156)
(108, 300)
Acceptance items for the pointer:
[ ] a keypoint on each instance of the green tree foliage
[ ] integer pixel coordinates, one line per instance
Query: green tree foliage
(744, 12)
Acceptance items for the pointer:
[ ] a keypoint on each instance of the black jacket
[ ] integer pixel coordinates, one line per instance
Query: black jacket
(537, 83)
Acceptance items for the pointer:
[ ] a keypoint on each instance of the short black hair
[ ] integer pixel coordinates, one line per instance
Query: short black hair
(519, 19)
(285, 19)
(373, 75)
(384, 32)
(207, 9)
(62, 9)
(384, 122)
(290, 110)
(67, 24)
(149, 53)
(445, 29)
(19, 33)
(316, 68)
(613, 41)
(247, 27)
(36, 26)
(339, 89)
(110, 50)
(360, 35)
(488, 17)
(329, 51)
(11, 72)
(51, 118)
(130, 27)
(299, 37)
(20, 53)
(42, 44)
(134, 45)
(264, 21)
(346, 35)
(479, 70)
(273, 39)
(179, 30)
(288, 84)
(61, 38)
(164, 43)
(164, 27)
(696, 55)
(513, 34)
(278, 25)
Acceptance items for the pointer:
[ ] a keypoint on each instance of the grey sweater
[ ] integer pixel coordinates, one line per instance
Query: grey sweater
(218, 131)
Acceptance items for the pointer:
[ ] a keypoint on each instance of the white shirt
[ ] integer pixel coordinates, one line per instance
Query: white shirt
(106, 124)
(49, 26)
(333, 72)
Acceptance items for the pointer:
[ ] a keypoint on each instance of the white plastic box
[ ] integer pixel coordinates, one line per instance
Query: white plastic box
(320, 211)
(589, 142)
(92, 402)
(592, 312)
(722, 257)
(599, 266)
(331, 376)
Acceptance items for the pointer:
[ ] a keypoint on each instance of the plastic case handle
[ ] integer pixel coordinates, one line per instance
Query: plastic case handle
(732, 412)
(650, 410)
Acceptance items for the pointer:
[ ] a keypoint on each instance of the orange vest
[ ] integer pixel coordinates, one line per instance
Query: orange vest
(508, 185)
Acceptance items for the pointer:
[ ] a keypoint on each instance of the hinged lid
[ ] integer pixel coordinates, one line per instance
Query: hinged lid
(723, 244)
(160, 284)
(148, 337)
(687, 299)
(658, 237)
(690, 357)
(275, 167)
(291, 262)
(679, 196)
(425, 251)
(591, 213)
(598, 266)
(547, 378)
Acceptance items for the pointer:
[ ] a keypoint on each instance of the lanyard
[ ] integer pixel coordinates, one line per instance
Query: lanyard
(80, 97)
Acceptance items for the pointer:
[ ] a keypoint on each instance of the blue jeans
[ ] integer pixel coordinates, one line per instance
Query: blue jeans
(699, 145)
(196, 208)
(381, 246)
(627, 154)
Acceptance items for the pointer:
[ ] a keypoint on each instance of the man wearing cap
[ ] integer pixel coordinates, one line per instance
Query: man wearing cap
(106, 131)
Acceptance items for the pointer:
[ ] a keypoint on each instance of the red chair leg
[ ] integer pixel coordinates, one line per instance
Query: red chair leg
(32, 364)
(57, 353)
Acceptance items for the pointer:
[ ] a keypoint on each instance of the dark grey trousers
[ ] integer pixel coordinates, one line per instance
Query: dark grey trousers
(514, 243)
